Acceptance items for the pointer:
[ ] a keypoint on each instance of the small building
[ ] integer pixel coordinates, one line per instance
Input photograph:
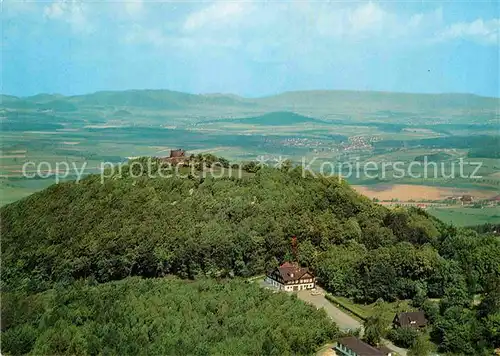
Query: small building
(177, 153)
(414, 319)
(291, 277)
(352, 346)
(466, 199)
(176, 157)
(496, 198)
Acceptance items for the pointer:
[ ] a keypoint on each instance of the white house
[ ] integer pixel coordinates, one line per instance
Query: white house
(291, 277)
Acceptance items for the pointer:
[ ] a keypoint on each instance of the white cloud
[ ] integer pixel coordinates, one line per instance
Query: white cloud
(55, 10)
(367, 16)
(277, 32)
(363, 20)
(371, 22)
(134, 8)
(484, 32)
(299, 22)
(429, 20)
(218, 14)
(268, 27)
(72, 12)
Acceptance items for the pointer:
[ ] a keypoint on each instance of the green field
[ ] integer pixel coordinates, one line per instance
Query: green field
(364, 311)
(467, 216)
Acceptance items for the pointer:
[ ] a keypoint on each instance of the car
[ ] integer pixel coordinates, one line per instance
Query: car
(315, 292)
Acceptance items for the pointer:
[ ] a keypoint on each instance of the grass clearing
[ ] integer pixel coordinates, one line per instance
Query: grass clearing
(364, 311)
(467, 216)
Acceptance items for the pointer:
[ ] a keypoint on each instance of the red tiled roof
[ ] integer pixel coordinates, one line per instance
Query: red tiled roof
(292, 272)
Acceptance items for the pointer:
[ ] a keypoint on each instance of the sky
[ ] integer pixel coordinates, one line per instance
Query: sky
(250, 48)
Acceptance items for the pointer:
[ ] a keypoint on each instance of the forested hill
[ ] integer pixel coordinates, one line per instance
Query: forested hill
(189, 227)
(196, 228)
(334, 100)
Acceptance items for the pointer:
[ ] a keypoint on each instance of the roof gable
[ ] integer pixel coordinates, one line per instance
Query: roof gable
(416, 318)
(292, 272)
(359, 347)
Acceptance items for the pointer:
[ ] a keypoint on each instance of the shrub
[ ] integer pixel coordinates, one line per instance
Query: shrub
(403, 337)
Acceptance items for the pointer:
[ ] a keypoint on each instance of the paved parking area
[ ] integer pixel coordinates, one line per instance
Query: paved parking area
(343, 320)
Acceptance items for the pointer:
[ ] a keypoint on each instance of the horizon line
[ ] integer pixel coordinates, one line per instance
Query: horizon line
(254, 97)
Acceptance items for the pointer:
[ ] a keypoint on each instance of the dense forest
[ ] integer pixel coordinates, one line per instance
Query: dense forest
(228, 227)
(162, 317)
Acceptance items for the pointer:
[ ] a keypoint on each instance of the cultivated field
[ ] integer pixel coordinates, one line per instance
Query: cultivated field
(466, 216)
(405, 192)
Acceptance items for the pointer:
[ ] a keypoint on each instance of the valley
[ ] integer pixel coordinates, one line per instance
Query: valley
(331, 131)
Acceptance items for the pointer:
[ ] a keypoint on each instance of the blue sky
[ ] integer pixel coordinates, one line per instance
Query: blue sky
(250, 48)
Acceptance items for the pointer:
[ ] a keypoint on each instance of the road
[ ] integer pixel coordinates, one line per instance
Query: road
(343, 320)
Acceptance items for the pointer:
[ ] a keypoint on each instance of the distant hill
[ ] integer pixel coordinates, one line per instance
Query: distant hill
(373, 101)
(59, 106)
(434, 157)
(13, 102)
(280, 118)
(277, 118)
(43, 98)
(122, 113)
(133, 98)
(150, 99)
(385, 103)
(154, 99)
(6, 99)
(226, 99)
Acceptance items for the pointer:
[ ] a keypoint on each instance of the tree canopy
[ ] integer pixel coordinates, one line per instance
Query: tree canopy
(162, 317)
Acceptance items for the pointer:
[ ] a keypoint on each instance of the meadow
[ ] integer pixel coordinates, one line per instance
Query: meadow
(467, 216)
(364, 311)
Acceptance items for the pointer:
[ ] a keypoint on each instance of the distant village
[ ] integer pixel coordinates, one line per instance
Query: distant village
(450, 201)
(353, 143)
